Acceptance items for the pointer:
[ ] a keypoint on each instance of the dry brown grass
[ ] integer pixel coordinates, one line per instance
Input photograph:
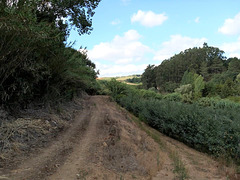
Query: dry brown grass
(23, 133)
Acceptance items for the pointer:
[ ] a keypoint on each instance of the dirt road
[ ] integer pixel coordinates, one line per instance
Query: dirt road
(105, 143)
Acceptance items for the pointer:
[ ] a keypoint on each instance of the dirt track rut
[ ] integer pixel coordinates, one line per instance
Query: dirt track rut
(78, 159)
(104, 143)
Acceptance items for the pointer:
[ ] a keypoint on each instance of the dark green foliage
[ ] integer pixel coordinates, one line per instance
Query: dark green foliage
(134, 80)
(188, 78)
(149, 77)
(102, 88)
(169, 87)
(205, 69)
(210, 125)
(34, 61)
(234, 65)
(222, 89)
(78, 12)
(192, 87)
(117, 88)
(173, 97)
(198, 85)
(205, 61)
(227, 89)
(218, 103)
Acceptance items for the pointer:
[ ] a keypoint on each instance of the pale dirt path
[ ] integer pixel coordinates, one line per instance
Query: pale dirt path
(47, 160)
(78, 159)
(104, 143)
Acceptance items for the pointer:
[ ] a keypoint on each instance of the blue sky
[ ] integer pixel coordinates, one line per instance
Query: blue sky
(130, 34)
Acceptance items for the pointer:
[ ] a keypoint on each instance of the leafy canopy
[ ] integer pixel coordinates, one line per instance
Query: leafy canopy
(78, 13)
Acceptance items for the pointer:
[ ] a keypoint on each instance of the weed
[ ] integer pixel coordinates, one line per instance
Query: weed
(82, 175)
(179, 167)
(59, 109)
(158, 160)
(121, 177)
(134, 177)
(238, 169)
(153, 134)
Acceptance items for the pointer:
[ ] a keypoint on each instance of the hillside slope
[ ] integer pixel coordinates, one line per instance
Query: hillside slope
(106, 142)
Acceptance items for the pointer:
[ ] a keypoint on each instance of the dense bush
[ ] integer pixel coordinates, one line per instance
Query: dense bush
(209, 127)
(117, 89)
(173, 97)
(35, 63)
(218, 103)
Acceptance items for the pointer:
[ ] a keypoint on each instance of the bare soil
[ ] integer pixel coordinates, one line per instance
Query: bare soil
(103, 142)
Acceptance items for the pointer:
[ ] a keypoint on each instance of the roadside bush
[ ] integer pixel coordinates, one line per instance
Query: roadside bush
(116, 88)
(210, 125)
(234, 98)
(149, 94)
(102, 88)
(173, 97)
(218, 103)
(35, 62)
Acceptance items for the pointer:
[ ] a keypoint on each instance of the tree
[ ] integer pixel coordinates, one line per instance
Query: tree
(205, 60)
(204, 70)
(227, 89)
(210, 53)
(199, 85)
(238, 78)
(234, 65)
(216, 66)
(191, 84)
(188, 77)
(78, 12)
(149, 77)
(34, 61)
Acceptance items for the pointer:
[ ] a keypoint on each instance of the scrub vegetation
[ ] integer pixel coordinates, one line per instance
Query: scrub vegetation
(36, 64)
(192, 97)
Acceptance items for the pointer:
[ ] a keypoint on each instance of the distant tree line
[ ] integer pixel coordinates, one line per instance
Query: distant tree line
(134, 80)
(219, 74)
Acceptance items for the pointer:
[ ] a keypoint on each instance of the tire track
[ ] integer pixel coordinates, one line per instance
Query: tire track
(46, 161)
(78, 159)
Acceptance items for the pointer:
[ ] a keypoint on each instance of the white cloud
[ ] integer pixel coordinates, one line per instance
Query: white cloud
(232, 49)
(121, 50)
(119, 70)
(126, 54)
(149, 18)
(176, 44)
(115, 22)
(197, 20)
(231, 26)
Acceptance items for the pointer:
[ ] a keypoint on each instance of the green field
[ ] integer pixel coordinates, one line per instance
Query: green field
(122, 79)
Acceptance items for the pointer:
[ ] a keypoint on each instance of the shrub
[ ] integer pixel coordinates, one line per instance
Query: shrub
(210, 125)
(173, 97)
(184, 89)
(35, 63)
(116, 88)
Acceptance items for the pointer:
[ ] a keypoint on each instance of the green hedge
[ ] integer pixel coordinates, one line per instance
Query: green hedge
(212, 129)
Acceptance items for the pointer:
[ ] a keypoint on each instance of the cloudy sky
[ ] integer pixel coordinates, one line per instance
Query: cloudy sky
(130, 34)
